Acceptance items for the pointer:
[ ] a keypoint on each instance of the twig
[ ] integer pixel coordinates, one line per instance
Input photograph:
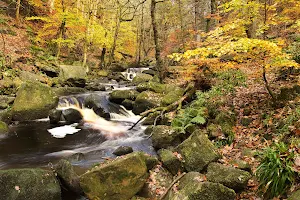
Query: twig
(175, 181)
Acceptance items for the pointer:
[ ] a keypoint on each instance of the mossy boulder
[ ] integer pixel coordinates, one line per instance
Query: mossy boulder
(192, 187)
(164, 137)
(29, 184)
(97, 102)
(3, 127)
(151, 86)
(73, 76)
(28, 76)
(226, 117)
(172, 96)
(128, 104)
(6, 116)
(229, 176)
(197, 152)
(170, 161)
(67, 176)
(141, 78)
(123, 150)
(118, 96)
(34, 101)
(295, 195)
(71, 115)
(65, 91)
(120, 179)
(6, 101)
(146, 100)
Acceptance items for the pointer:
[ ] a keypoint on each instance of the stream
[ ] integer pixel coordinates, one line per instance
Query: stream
(30, 144)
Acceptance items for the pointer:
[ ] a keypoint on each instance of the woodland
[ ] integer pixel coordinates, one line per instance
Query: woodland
(221, 74)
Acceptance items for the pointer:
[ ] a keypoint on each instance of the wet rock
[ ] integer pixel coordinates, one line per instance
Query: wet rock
(71, 115)
(6, 116)
(170, 161)
(231, 177)
(123, 150)
(146, 100)
(65, 91)
(6, 101)
(150, 72)
(295, 195)
(29, 184)
(96, 102)
(76, 157)
(164, 137)
(55, 116)
(50, 69)
(34, 101)
(69, 179)
(128, 104)
(197, 152)
(227, 117)
(120, 179)
(73, 76)
(117, 96)
(193, 186)
(3, 127)
(141, 78)
(159, 180)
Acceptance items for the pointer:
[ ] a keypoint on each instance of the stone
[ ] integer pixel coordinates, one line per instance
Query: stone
(96, 103)
(73, 76)
(28, 76)
(117, 180)
(170, 161)
(128, 104)
(240, 164)
(145, 101)
(193, 186)
(164, 137)
(6, 101)
(150, 72)
(71, 115)
(50, 69)
(76, 157)
(123, 150)
(67, 176)
(29, 184)
(6, 116)
(229, 176)
(141, 78)
(3, 127)
(34, 101)
(197, 152)
(55, 116)
(65, 91)
(295, 195)
(173, 96)
(118, 96)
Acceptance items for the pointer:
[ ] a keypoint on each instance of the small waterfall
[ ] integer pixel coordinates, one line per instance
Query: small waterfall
(131, 72)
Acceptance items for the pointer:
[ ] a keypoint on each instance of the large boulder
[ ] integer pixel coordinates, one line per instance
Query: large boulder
(34, 101)
(73, 76)
(146, 100)
(3, 127)
(151, 86)
(6, 116)
(29, 76)
(172, 96)
(71, 115)
(67, 176)
(229, 176)
(197, 152)
(123, 150)
(192, 186)
(65, 91)
(29, 184)
(5, 101)
(96, 103)
(50, 69)
(164, 137)
(118, 96)
(120, 179)
(141, 78)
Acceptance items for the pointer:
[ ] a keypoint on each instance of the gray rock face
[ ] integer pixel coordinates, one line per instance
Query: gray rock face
(94, 102)
(192, 187)
(141, 78)
(73, 76)
(34, 101)
(68, 177)
(71, 115)
(120, 179)
(118, 96)
(231, 177)
(29, 184)
(123, 150)
(197, 152)
(164, 137)
(55, 116)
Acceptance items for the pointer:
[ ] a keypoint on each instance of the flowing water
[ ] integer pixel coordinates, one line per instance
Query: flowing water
(31, 144)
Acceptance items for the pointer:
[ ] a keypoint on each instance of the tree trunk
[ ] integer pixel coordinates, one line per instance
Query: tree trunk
(102, 57)
(18, 5)
(181, 24)
(113, 48)
(159, 64)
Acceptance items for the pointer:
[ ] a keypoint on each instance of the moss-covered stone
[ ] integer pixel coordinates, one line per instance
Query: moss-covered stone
(141, 78)
(64, 91)
(164, 137)
(34, 101)
(226, 118)
(123, 150)
(170, 161)
(192, 187)
(6, 116)
(69, 179)
(240, 164)
(118, 96)
(197, 152)
(28, 76)
(172, 96)
(295, 196)
(231, 177)
(146, 100)
(29, 184)
(120, 179)
(128, 104)
(151, 86)
(5, 101)
(3, 127)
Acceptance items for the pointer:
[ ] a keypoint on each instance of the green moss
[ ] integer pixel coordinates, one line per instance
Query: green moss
(141, 78)
(3, 127)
